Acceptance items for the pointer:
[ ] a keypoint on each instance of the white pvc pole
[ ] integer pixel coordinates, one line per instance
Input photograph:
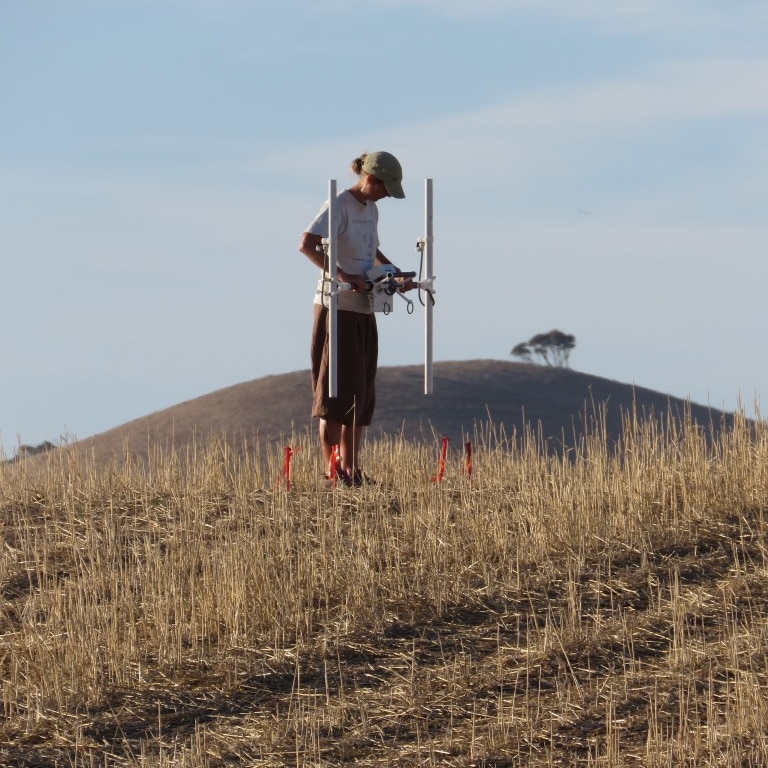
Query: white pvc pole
(333, 292)
(429, 274)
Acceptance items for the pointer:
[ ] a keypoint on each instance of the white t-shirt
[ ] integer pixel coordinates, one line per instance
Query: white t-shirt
(357, 240)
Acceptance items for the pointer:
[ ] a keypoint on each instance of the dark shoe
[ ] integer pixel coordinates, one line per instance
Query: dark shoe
(342, 478)
(345, 479)
(359, 478)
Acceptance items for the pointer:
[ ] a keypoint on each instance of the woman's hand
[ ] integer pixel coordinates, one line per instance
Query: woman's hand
(358, 282)
(405, 284)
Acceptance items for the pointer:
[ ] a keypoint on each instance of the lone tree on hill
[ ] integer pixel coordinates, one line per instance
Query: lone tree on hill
(552, 348)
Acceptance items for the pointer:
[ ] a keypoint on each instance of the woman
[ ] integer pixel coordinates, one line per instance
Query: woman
(343, 418)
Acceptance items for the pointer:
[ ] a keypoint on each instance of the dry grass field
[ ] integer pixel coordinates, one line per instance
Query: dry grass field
(605, 606)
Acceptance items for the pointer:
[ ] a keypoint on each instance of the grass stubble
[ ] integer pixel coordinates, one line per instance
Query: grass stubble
(604, 606)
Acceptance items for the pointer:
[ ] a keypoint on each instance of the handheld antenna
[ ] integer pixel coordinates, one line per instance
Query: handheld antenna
(423, 244)
(428, 254)
(333, 293)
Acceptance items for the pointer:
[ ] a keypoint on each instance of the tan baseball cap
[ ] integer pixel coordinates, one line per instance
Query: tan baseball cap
(386, 167)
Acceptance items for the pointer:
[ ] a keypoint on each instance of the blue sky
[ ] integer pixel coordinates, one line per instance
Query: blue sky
(600, 167)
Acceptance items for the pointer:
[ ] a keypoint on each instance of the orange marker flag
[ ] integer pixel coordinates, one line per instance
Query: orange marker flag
(286, 471)
(441, 463)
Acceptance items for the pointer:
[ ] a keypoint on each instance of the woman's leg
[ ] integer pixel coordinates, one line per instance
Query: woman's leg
(330, 435)
(347, 437)
(351, 435)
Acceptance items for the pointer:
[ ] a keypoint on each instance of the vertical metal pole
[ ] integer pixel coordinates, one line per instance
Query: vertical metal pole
(429, 274)
(333, 291)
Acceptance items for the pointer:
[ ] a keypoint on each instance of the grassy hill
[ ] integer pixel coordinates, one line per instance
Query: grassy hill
(508, 395)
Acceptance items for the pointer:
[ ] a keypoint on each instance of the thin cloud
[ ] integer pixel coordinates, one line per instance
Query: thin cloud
(553, 132)
(667, 19)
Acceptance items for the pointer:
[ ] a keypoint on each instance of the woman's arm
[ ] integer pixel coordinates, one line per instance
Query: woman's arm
(406, 284)
(312, 247)
(309, 245)
(382, 259)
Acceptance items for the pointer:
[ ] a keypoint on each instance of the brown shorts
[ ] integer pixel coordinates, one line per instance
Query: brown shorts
(356, 360)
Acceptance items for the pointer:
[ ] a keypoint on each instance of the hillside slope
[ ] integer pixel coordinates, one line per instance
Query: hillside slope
(467, 393)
